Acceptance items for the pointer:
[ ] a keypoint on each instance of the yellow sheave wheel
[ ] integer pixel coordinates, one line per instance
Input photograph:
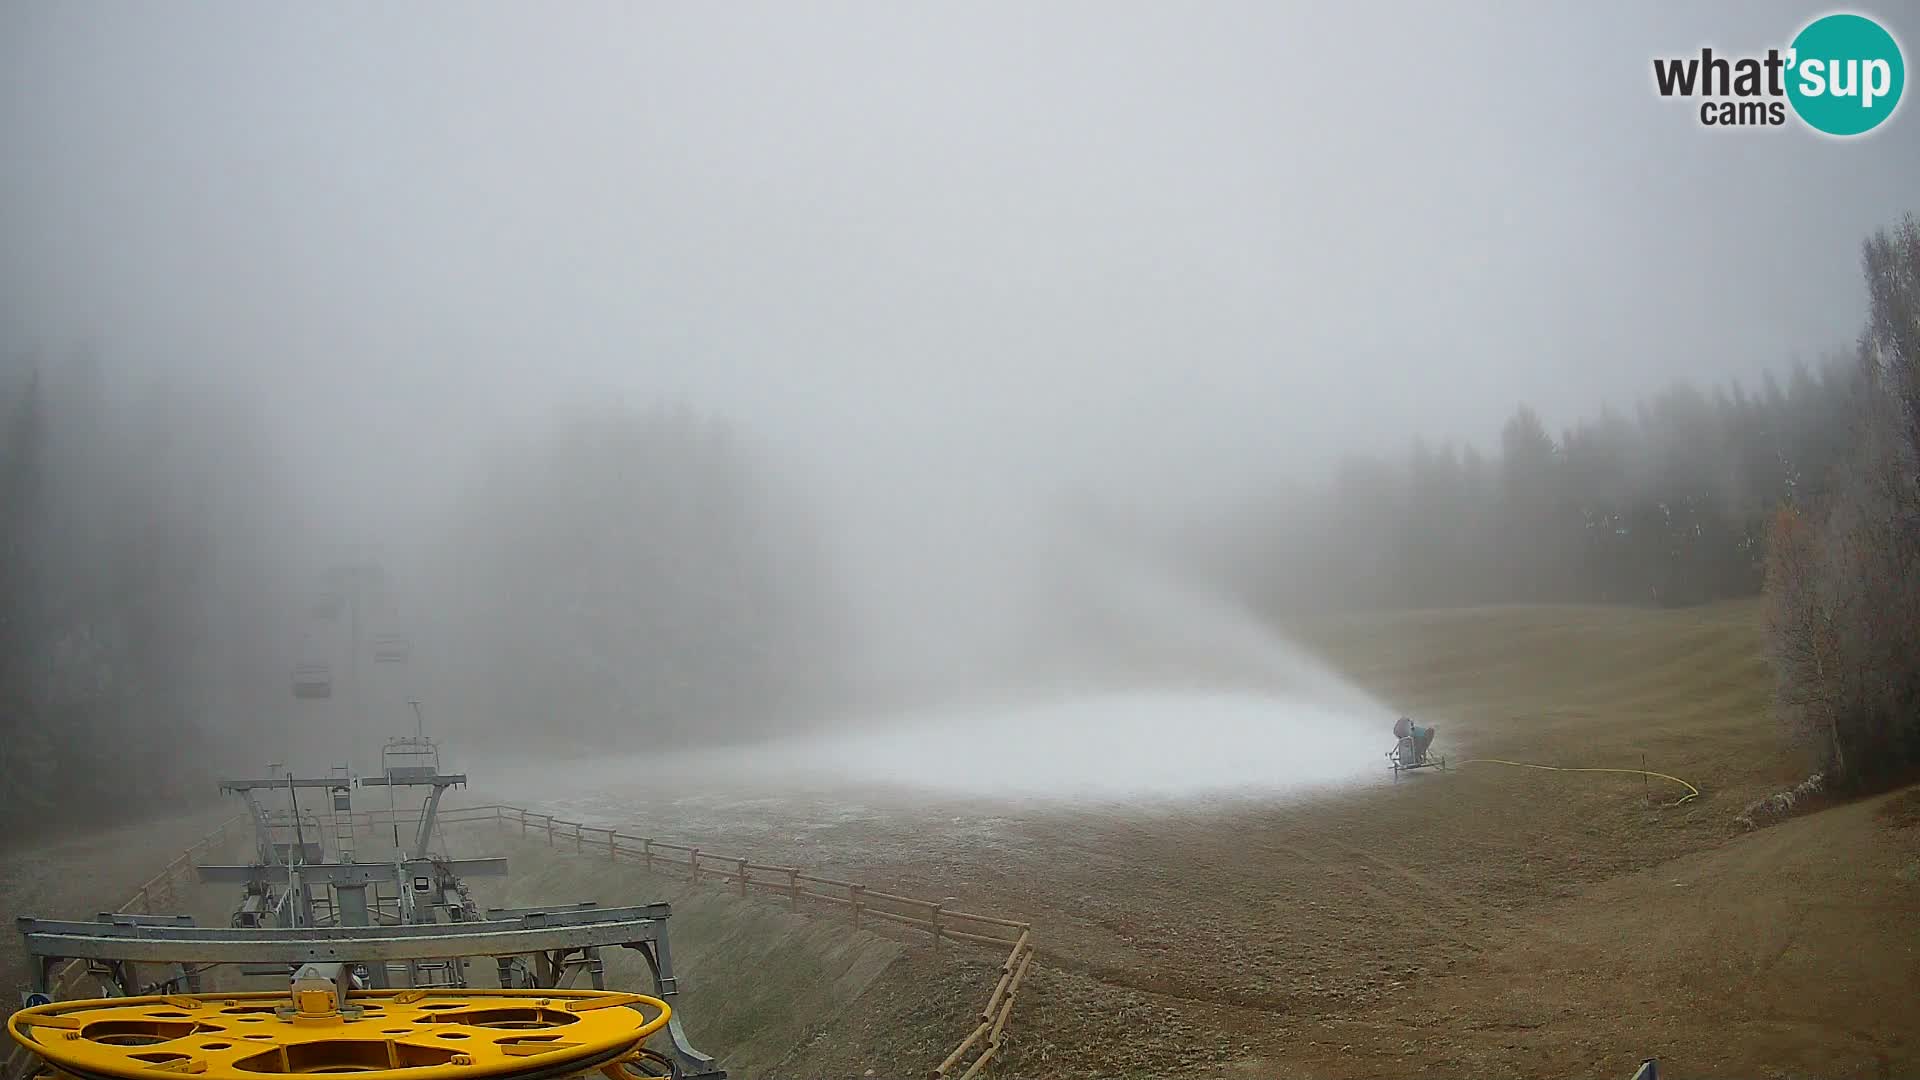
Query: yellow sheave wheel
(416, 1034)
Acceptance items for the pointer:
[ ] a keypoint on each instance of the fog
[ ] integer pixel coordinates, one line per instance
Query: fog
(1134, 748)
(1158, 690)
(1124, 746)
(836, 373)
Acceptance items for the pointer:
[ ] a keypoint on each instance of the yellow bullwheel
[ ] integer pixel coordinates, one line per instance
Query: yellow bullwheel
(386, 1034)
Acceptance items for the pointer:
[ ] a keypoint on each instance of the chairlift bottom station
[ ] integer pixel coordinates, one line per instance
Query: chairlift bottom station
(374, 961)
(312, 681)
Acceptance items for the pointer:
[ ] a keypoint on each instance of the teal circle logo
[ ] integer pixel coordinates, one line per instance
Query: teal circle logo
(1846, 74)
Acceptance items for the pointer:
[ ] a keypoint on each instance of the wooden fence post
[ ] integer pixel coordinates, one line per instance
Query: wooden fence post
(693, 865)
(523, 822)
(577, 827)
(793, 890)
(935, 919)
(613, 849)
(646, 853)
(854, 893)
(742, 867)
(549, 818)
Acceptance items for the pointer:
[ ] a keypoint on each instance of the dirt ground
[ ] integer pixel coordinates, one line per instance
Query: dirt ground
(76, 876)
(1489, 920)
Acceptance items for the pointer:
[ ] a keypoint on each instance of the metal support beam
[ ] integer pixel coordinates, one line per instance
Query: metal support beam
(546, 909)
(228, 787)
(268, 851)
(413, 941)
(407, 777)
(691, 1063)
(352, 874)
(424, 836)
(262, 827)
(121, 918)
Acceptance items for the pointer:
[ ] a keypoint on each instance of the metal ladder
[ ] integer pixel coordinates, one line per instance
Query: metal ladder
(340, 811)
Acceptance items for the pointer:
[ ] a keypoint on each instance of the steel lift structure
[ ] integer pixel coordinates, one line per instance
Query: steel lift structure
(324, 1025)
(372, 959)
(538, 952)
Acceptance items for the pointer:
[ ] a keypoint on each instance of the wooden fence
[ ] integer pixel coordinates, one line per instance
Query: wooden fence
(796, 886)
(742, 875)
(152, 897)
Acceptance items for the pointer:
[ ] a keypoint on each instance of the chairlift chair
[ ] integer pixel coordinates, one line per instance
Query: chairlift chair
(410, 756)
(312, 681)
(391, 648)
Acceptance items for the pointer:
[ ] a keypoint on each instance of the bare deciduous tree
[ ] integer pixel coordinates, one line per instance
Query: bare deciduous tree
(1844, 601)
(1803, 640)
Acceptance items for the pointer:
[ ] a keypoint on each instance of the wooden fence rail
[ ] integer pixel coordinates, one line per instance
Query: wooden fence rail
(741, 874)
(988, 1034)
(158, 889)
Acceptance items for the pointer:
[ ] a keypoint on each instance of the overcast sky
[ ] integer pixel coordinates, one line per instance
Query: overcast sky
(1190, 239)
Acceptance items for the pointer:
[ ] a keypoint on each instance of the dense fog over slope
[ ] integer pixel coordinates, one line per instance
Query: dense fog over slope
(699, 376)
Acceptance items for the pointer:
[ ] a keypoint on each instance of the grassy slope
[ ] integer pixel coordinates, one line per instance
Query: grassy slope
(762, 986)
(77, 876)
(1787, 952)
(1499, 920)
(1688, 690)
(1600, 929)
(1490, 920)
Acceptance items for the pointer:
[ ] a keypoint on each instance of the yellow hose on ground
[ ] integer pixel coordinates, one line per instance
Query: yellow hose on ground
(1692, 792)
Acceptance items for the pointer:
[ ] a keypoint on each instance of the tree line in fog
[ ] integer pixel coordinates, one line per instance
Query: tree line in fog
(623, 580)
(1843, 572)
(138, 589)
(1665, 505)
(633, 580)
(1808, 492)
